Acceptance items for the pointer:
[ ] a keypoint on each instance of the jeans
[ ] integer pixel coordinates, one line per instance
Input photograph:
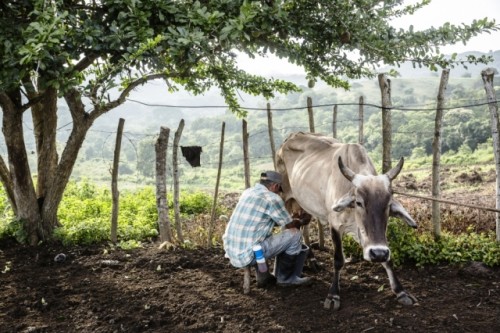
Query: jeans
(288, 241)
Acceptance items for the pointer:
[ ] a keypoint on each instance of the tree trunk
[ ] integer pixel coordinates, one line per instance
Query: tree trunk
(23, 189)
(37, 208)
(55, 189)
(45, 129)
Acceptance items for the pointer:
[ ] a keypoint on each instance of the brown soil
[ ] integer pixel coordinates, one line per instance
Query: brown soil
(98, 289)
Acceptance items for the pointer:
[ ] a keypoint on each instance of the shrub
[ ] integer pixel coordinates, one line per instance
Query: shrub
(194, 203)
(85, 213)
(351, 247)
(409, 247)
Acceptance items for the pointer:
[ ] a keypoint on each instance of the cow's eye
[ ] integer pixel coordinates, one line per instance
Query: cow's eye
(359, 204)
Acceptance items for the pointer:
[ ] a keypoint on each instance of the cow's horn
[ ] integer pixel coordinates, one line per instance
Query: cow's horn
(394, 172)
(348, 173)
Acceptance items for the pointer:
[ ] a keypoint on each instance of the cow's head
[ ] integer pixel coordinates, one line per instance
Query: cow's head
(372, 203)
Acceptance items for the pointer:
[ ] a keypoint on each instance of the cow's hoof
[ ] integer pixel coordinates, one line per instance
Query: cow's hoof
(407, 299)
(328, 303)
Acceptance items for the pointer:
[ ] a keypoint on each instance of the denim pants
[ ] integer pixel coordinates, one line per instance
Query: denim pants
(288, 241)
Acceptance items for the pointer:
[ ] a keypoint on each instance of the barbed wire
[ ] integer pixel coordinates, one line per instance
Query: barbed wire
(400, 108)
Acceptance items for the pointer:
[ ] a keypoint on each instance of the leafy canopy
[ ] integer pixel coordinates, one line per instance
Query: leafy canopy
(101, 44)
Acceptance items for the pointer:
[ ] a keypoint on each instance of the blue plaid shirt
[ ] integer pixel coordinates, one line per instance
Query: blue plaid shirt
(252, 221)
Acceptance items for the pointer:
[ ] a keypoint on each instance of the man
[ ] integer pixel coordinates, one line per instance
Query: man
(259, 210)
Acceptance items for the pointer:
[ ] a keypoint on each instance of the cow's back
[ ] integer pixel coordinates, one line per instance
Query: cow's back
(311, 176)
(298, 146)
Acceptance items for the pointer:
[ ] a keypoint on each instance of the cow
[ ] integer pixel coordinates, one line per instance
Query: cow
(337, 183)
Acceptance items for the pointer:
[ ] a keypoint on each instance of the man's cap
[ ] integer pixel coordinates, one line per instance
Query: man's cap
(272, 176)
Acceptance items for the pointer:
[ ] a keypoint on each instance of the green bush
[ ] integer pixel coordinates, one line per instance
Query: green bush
(409, 247)
(9, 225)
(85, 213)
(12, 227)
(351, 247)
(194, 203)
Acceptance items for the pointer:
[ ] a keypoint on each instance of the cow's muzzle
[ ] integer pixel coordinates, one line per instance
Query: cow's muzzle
(377, 253)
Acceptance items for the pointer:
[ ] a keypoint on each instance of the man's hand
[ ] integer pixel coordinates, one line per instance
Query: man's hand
(300, 219)
(305, 218)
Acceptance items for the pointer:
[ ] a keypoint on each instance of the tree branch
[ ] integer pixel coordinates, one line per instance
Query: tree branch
(76, 107)
(99, 110)
(85, 62)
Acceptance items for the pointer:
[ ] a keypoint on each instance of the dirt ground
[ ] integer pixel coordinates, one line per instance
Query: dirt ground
(98, 289)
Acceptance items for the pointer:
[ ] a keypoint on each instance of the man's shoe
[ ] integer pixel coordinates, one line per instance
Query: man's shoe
(295, 281)
(289, 269)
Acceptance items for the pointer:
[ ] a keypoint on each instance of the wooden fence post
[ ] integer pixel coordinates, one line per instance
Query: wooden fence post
(436, 154)
(246, 160)
(114, 182)
(306, 232)
(487, 76)
(334, 123)
(175, 163)
(161, 185)
(311, 115)
(385, 89)
(214, 206)
(361, 135)
(271, 136)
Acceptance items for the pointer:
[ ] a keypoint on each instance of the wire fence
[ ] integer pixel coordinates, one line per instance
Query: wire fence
(134, 138)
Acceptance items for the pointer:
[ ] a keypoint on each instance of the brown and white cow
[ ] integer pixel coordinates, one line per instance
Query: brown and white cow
(338, 184)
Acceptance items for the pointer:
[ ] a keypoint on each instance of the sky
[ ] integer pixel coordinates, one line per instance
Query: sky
(435, 14)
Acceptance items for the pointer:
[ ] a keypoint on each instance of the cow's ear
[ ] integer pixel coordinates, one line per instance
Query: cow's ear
(347, 201)
(397, 210)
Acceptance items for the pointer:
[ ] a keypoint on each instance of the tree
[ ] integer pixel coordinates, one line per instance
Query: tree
(82, 50)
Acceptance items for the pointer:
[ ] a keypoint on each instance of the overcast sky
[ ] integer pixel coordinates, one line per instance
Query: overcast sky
(435, 14)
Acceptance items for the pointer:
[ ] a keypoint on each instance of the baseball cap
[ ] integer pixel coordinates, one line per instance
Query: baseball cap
(272, 176)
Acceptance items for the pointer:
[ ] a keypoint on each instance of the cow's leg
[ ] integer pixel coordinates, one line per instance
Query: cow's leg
(338, 263)
(402, 296)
